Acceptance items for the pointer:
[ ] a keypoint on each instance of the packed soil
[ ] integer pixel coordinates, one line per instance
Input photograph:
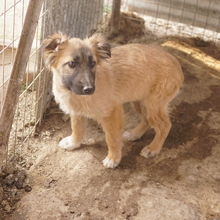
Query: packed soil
(182, 182)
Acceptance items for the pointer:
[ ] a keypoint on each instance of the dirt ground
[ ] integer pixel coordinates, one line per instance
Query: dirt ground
(182, 182)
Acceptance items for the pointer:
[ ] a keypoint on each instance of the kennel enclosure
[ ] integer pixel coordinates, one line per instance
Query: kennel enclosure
(77, 18)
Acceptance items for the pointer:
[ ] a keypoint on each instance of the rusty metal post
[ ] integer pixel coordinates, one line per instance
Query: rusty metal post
(115, 17)
(17, 74)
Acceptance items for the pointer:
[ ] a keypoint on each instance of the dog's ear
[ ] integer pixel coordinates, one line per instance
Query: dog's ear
(51, 47)
(100, 46)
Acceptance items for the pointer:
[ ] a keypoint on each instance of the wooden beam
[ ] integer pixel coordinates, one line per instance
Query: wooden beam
(115, 17)
(17, 74)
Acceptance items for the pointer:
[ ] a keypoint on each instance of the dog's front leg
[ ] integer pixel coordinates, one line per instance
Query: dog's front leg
(112, 126)
(78, 125)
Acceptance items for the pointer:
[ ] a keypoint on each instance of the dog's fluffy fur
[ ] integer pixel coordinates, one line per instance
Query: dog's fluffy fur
(92, 81)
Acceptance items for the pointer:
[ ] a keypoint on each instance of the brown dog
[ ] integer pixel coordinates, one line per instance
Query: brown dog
(91, 81)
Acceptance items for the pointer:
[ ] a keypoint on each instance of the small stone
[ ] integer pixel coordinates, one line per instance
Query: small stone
(6, 205)
(9, 180)
(20, 179)
(65, 118)
(10, 168)
(90, 141)
(7, 208)
(48, 133)
(27, 188)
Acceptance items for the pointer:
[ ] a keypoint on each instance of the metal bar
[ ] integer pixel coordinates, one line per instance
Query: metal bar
(17, 74)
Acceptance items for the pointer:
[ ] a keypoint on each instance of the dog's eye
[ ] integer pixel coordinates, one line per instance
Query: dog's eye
(72, 64)
(93, 63)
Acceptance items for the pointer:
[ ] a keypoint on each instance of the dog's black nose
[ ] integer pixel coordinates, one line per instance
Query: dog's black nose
(88, 90)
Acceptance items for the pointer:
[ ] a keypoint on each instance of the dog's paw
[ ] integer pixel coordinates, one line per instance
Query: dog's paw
(110, 163)
(127, 135)
(67, 144)
(146, 152)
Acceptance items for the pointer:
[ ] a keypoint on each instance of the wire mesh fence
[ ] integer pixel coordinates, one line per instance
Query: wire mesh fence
(182, 18)
(80, 18)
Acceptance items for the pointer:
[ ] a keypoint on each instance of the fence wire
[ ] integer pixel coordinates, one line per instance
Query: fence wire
(182, 18)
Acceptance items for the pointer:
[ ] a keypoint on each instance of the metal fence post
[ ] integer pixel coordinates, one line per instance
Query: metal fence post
(114, 23)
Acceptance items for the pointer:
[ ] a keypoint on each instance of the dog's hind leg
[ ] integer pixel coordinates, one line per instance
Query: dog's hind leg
(112, 126)
(137, 132)
(78, 125)
(158, 119)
